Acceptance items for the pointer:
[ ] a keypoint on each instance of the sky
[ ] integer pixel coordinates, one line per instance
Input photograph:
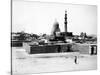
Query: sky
(39, 17)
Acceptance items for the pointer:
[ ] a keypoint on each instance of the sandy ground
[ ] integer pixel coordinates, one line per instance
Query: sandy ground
(23, 63)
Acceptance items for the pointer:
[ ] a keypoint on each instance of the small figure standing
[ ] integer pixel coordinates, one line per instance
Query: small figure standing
(75, 60)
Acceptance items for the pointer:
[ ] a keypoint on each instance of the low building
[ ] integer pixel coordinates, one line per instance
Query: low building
(86, 48)
(48, 48)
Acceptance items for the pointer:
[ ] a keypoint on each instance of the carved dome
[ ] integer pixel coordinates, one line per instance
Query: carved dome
(55, 27)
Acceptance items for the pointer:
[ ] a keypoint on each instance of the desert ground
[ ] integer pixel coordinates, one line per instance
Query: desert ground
(26, 64)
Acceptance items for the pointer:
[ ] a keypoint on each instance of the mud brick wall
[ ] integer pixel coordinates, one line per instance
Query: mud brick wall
(43, 49)
(82, 48)
(16, 44)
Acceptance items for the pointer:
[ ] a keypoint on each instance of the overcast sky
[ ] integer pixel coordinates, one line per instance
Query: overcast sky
(39, 17)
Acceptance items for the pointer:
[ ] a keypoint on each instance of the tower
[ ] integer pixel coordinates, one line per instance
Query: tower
(65, 21)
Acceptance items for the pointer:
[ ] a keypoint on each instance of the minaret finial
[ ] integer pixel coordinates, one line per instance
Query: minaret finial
(65, 11)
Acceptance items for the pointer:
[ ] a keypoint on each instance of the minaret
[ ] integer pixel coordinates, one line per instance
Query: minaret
(65, 21)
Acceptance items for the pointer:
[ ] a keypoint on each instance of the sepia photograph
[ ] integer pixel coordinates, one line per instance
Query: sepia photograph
(52, 37)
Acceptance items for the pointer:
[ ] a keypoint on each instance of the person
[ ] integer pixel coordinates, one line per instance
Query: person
(75, 60)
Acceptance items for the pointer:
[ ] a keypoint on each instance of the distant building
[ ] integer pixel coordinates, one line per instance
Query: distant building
(66, 34)
(65, 21)
(55, 29)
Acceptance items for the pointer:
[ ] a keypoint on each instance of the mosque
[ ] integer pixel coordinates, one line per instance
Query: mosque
(56, 32)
